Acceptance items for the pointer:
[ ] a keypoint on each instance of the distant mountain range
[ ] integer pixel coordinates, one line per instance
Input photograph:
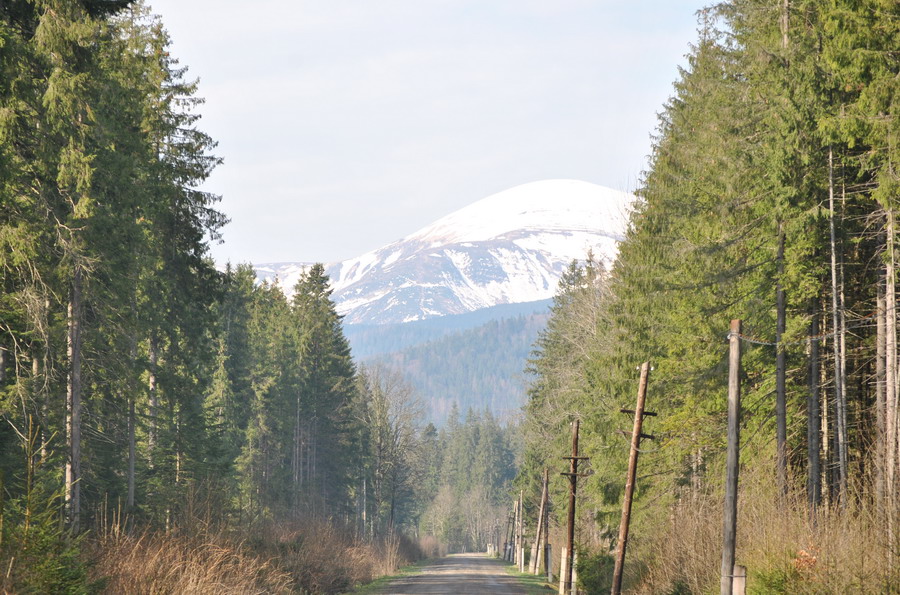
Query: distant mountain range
(508, 248)
(457, 306)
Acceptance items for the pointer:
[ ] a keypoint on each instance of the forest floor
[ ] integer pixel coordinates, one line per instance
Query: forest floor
(470, 574)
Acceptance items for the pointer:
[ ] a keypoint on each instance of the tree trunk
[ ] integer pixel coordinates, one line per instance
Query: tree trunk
(153, 395)
(840, 403)
(827, 442)
(880, 394)
(73, 405)
(780, 364)
(297, 452)
(890, 402)
(780, 315)
(39, 395)
(179, 454)
(813, 417)
(129, 501)
(784, 25)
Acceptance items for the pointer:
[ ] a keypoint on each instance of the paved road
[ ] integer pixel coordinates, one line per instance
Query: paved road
(458, 574)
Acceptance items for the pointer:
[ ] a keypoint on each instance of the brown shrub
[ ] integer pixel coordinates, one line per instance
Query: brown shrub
(432, 547)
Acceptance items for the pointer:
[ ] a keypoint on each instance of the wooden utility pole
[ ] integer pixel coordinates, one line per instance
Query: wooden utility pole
(520, 553)
(573, 480)
(514, 541)
(505, 554)
(732, 457)
(636, 436)
(534, 566)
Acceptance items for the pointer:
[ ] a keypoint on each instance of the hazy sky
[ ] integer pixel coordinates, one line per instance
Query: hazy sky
(348, 124)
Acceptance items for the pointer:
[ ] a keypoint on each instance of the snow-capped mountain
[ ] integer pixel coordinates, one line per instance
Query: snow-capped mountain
(508, 248)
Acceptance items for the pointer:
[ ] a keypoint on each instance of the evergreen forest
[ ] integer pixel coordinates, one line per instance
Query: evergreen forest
(479, 368)
(164, 423)
(169, 427)
(770, 198)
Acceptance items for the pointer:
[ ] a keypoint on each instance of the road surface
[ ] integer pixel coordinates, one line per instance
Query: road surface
(458, 574)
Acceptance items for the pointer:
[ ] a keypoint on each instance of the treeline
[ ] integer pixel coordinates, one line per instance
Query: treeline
(771, 197)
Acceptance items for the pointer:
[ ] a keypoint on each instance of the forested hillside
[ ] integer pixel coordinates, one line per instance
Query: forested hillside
(771, 197)
(480, 368)
(370, 340)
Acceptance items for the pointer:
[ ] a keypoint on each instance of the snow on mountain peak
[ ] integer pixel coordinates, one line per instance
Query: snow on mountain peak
(549, 205)
(510, 247)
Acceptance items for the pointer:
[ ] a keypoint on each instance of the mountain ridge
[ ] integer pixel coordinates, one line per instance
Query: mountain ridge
(510, 247)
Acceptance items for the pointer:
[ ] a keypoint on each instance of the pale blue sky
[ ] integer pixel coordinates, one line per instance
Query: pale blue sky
(348, 124)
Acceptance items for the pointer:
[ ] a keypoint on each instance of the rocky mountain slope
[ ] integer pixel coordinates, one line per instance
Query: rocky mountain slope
(508, 248)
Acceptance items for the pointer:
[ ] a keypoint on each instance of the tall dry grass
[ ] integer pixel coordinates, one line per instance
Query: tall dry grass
(298, 556)
(785, 549)
(325, 558)
(160, 563)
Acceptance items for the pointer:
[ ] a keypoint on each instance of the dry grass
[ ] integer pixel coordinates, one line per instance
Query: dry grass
(309, 556)
(783, 547)
(160, 563)
(324, 558)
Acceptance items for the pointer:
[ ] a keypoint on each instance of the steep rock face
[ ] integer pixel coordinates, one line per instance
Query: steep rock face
(508, 248)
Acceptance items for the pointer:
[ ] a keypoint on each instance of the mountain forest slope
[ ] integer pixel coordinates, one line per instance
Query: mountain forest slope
(481, 368)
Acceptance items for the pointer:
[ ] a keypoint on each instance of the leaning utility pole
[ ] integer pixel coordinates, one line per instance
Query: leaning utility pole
(514, 535)
(732, 457)
(573, 479)
(534, 566)
(636, 436)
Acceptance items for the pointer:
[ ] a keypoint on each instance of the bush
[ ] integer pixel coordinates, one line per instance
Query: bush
(37, 554)
(595, 571)
(324, 558)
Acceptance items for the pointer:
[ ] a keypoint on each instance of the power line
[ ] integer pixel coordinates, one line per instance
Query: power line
(807, 340)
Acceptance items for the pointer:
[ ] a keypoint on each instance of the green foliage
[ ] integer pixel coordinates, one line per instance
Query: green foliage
(779, 577)
(466, 497)
(741, 164)
(38, 553)
(98, 194)
(595, 571)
